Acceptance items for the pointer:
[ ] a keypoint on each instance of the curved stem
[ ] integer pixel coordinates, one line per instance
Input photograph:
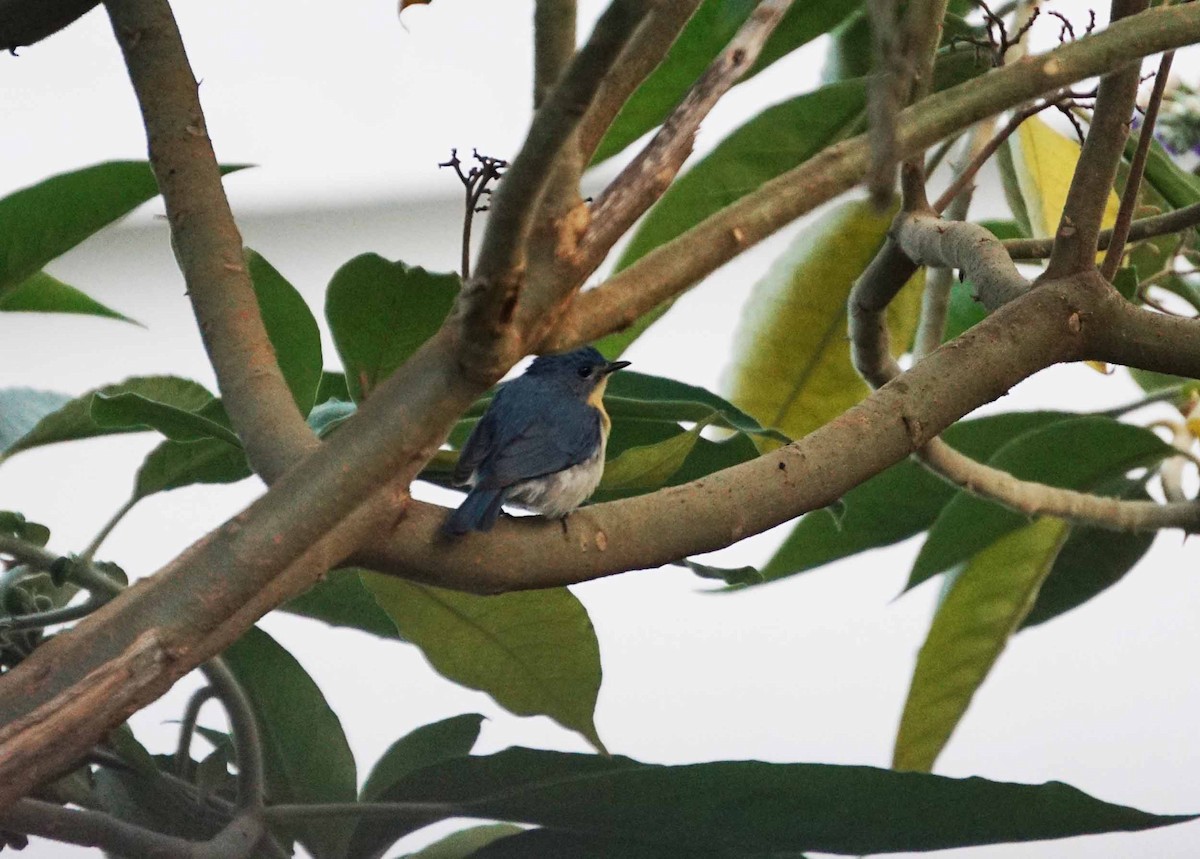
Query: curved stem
(1142, 228)
(187, 729)
(246, 740)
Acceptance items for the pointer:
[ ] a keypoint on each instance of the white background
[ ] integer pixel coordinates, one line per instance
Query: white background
(347, 110)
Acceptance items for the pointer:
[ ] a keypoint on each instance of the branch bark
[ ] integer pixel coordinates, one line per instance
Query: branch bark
(1078, 230)
(96, 829)
(486, 307)
(645, 51)
(206, 240)
(1143, 228)
(675, 266)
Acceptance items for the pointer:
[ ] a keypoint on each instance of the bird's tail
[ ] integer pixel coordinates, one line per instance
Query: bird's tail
(478, 512)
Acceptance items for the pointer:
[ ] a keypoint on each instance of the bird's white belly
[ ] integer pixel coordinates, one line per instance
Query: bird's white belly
(557, 494)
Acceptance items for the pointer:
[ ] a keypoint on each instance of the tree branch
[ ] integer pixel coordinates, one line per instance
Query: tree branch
(488, 343)
(96, 829)
(1075, 240)
(1129, 198)
(673, 267)
(206, 240)
(56, 704)
(645, 51)
(1143, 228)
(648, 175)
(553, 44)
(247, 743)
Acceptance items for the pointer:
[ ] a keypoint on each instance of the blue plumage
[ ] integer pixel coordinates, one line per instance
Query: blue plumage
(540, 443)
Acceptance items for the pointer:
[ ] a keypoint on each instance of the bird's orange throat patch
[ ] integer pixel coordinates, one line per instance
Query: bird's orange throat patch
(596, 400)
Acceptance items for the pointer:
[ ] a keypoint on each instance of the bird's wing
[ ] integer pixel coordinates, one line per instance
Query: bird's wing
(555, 436)
(479, 444)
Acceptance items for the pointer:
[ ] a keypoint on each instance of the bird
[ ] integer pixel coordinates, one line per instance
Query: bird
(540, 444)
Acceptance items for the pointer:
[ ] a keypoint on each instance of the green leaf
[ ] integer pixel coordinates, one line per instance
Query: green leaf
(332, 387)
(1079, 453)
(705, 36)
(131, 412)
(20, 411)
(534, 652)
(983, 608)
(637, 395)
(46, 220)
(872, 518)
(748, 806)
(791, 367)
(467, 842)
(16, 525)
(650, 466)
(305, 754)
(775, 141)
(175, 464)
(551, 844)
(1126, 282)
(291, 328)
(342, 600)
(380, 312)
(73, 419)
(1091, 561)
(963, 312)
(44, 293)
(426, 746)
(1178, 187)
(733, 576)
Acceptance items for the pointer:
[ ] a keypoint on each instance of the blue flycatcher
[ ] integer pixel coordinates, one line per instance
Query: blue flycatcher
(540, 443)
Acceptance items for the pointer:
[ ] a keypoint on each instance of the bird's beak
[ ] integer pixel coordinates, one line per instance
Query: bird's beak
(613, 366)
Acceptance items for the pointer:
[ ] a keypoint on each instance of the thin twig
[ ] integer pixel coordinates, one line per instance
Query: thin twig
(88, 828)
(487, 302)
(939, 280)
(1142, 228)
(94, 546)
(247, 743)
(187, 729)
(645, 178)
(76, 570)
(647, 48)
(675, 266)
(1120, 229)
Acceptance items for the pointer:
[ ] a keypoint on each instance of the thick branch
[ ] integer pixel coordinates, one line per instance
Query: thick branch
(206, 240)
(489, 345)
(673, 267)
(553, 44)
(1076, 237)
(970, 248)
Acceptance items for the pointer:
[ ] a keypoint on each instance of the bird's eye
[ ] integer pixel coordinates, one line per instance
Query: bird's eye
(584, 372)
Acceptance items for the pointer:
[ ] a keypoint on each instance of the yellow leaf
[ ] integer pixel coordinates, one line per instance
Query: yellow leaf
(791, 367)
(1045, 162)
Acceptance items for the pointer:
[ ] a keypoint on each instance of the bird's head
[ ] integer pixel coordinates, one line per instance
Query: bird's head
(584, 371)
